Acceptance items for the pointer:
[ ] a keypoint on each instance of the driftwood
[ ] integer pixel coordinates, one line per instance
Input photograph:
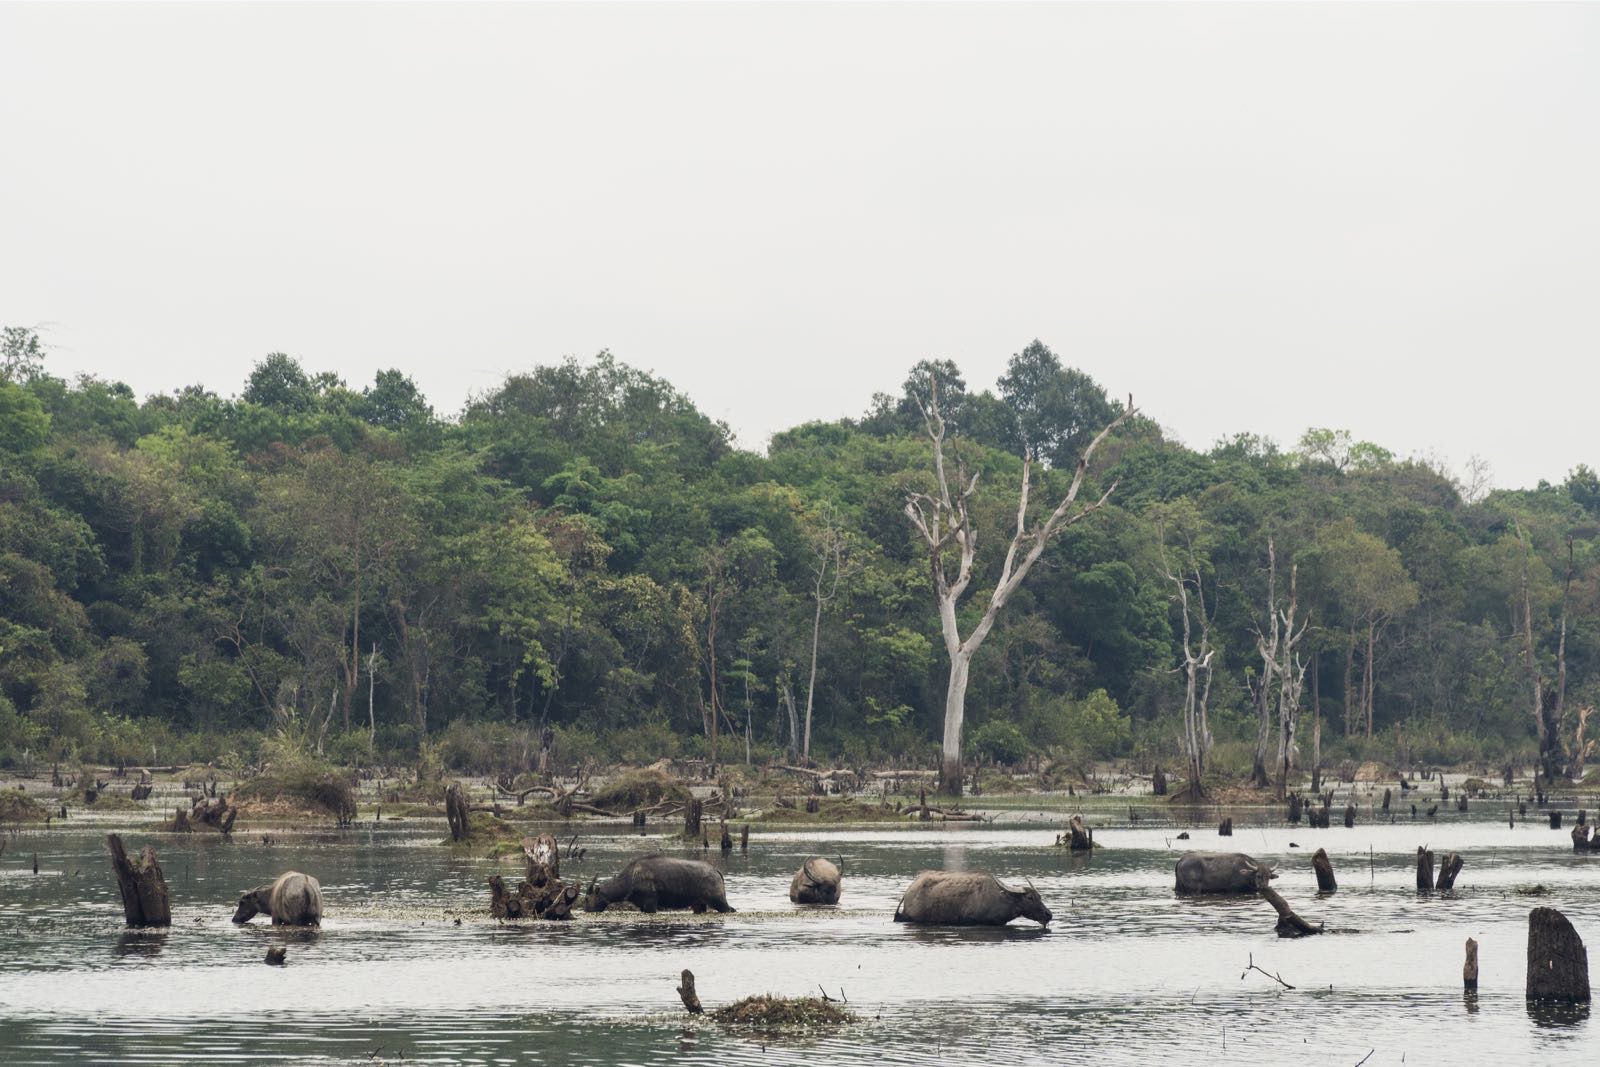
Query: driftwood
(1449, 867)
(144, 890)
(1324, 868)
(691, 1000)
(1289, 924)
(1558, 965)
(1424, 868)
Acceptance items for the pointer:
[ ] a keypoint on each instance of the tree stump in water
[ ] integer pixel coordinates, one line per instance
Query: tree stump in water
(691, 818)
(1324, 868)
(1295, 806)
(1289, 924)
(1158, 783)
(144, 890)
(1226, 829)
(691, 1000)
(1469, 970)
(1449, 867)
(1558, 965)
(1424, 868)
(1349, 816)
(1079, 839)
(455, 812)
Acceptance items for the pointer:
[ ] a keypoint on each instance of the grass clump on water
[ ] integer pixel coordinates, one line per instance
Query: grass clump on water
(768, 1010)
(639, 789)
(16, 806)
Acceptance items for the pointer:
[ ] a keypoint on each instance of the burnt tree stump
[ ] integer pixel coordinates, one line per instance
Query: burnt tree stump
(144, 890)
(1324, 868)
(1449, 867)
(1424, 868)
(1558, 966)
(455, 812)
(691, 1000)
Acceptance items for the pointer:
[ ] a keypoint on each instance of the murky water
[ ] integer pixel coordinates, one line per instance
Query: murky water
(1128, 973)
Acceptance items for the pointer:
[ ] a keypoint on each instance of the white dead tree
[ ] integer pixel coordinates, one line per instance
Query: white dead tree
(1196, 667)
(1267, 645)
(945, 522)
(1291, 672)
(827, 567)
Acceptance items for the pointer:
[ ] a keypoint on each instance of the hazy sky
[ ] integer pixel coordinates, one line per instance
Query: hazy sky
(1256, 217)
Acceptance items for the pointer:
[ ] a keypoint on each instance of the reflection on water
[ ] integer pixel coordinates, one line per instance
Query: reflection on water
(1129, 973)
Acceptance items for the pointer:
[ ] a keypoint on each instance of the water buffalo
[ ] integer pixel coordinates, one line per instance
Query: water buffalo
(967, 898)
(817, 882)
(294, 899)
(655, 881)
(1221, 872)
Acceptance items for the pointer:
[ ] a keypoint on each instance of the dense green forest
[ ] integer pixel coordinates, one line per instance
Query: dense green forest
(582, 550)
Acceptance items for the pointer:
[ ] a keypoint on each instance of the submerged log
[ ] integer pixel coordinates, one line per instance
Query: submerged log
(1289, 924)
(144, 890)
(1324, 868)
(1469, 970)
(1558, 965)
(1449, 867)
(1424, 868)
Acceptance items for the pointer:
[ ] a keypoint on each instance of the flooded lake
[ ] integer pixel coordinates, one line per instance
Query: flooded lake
(1127, 974)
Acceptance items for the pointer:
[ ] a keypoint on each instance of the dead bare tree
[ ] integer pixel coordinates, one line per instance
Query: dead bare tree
(1197, 656)
(944, 520)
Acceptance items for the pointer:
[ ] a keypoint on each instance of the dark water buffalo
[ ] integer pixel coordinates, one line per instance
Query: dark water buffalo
(967, 898)
(1221, 872)
(294, 899)
(654, 881)
(817, 882)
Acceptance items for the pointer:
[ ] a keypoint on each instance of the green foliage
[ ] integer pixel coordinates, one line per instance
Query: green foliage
(196, 574)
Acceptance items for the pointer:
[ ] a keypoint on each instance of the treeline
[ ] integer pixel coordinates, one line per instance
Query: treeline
(582, 550)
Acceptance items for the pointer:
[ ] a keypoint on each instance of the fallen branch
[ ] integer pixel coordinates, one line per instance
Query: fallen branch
(1251, 966)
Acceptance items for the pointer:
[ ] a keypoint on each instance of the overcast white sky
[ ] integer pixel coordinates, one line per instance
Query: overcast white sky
(1258, 217)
